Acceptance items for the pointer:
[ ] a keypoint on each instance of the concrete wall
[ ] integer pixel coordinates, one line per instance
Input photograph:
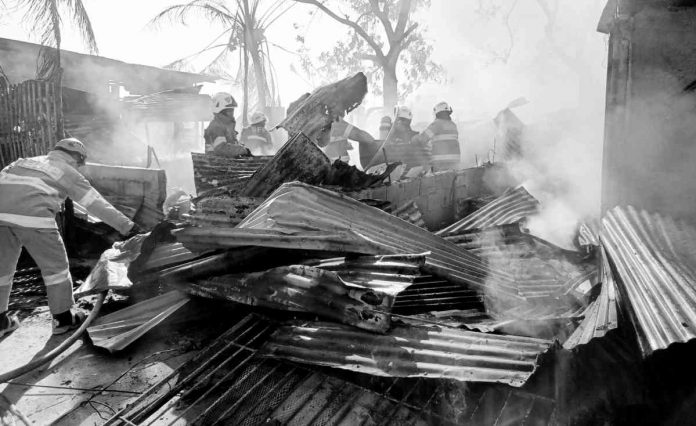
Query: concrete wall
(650, 134)
(436, 195)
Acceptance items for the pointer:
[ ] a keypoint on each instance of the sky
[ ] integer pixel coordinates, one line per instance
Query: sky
(464, 40)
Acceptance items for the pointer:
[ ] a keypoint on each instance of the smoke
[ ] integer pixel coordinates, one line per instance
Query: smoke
(558, 62)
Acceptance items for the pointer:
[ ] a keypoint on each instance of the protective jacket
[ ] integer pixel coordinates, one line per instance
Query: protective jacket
(218, 133)
(401, 133)
(441, 138)
(339, 145)
(258, 140)
(33, 189)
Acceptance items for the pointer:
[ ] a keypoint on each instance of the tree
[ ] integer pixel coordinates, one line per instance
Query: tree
(45, 18)
(382, 32)
(244, 34)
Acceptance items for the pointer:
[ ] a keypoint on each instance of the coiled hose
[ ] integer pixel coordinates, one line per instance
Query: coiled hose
(11, 375)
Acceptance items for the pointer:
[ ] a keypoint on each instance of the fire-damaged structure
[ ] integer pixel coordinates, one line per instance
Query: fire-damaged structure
(378, 297)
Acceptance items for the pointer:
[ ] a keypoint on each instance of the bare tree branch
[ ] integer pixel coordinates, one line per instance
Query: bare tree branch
(404, 13)
(383, 17)
(345, 21)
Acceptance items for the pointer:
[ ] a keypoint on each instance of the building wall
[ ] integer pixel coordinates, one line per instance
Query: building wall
(436, 195)
(650, 134)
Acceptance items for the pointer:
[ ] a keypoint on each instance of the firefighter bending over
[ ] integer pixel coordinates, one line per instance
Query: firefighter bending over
(341, 132)
(31, 193)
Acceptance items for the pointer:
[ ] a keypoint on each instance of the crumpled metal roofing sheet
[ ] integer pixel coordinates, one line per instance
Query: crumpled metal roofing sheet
(409, 351)
(302, 288)
(540, 269)
(410, 212)
(655, 263)
(212, 171)
(296, 209)
(299, 159)
(513, 206)
(390, 274)
(117, 330)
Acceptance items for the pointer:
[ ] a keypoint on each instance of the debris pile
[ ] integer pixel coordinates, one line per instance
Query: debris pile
(340, 283)
(330, 287)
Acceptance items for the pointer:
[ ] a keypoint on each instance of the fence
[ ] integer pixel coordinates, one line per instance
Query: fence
(29, 116)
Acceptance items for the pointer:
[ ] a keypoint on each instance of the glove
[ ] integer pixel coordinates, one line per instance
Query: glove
(135, 230)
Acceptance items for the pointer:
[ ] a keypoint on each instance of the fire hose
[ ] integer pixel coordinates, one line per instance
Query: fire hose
(13, 374)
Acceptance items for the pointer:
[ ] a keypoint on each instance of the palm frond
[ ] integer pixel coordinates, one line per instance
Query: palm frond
(209, 9)
(84, 25)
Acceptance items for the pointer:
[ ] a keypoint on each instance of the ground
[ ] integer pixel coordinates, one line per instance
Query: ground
(86, 385)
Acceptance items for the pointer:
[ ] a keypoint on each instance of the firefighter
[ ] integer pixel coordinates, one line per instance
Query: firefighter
(402, 132)
(341, 132)
(31, 193)
(441, 139)
(385, 125)
(256, 137)
(220, 135)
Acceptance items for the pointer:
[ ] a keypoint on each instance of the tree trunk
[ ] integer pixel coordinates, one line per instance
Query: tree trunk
(390, 94)
(245, 109)
(260, 78)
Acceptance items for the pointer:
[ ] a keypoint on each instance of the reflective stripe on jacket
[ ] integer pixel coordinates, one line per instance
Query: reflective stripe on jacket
(33, 189)
(441, 138)
(217, 129)
(339, 146)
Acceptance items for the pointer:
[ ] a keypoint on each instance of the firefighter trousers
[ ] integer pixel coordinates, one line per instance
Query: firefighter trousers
(48, 251)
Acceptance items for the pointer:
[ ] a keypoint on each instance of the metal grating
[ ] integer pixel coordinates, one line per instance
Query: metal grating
(227, 383)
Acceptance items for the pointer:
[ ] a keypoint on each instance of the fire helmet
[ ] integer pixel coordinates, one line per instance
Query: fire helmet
(442, 107)
(258, 117)
(72, 145)
(223, 101)
(403, 112)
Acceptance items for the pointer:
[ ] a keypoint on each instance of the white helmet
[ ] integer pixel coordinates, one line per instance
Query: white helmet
(442, 107)
(258, 117)
(403, 112)
(223, 101)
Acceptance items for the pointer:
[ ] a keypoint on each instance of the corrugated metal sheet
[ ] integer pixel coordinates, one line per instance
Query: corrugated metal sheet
(114, 332)
(184, 105)
(410, 212)
(169, 254)
(389, 274)
(540, 269)
(428, 293)
(297, 211)
(302, 288)
(228, 383)
(299, 159)
(222, 210)
(601, 315)
(656, 275)
(313, 114)
(212, 171)
(408, 351)
(513, 206)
